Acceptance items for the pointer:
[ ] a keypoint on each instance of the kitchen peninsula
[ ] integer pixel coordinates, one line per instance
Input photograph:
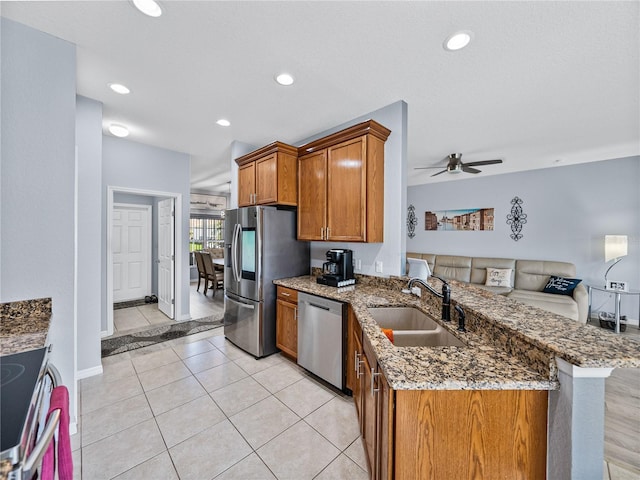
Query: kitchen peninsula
(540, 369)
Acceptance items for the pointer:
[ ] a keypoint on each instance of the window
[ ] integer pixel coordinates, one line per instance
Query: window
(205, 232)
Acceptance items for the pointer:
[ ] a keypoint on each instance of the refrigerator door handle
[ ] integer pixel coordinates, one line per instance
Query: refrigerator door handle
(234, 249)
(241, 304)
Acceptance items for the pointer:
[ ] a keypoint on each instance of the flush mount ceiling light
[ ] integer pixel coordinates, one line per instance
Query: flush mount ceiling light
(284, 79)
(118, 130)
(223, 122)
(119, 88)
(458, 41)
(148, 7)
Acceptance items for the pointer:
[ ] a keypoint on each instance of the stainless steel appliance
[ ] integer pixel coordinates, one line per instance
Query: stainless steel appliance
(322, 338)
(26, 382)
(260, 246)
(337, 271)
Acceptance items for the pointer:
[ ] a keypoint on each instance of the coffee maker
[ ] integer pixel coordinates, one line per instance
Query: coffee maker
(337, 271)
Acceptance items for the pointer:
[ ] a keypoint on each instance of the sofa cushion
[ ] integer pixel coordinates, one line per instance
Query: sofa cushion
(479, 267)
(561, 285)
(534, 274)
(498, 277)
(453, 267)
(561, 304)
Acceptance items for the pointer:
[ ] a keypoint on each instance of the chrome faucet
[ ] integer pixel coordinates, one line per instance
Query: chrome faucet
(445, 295)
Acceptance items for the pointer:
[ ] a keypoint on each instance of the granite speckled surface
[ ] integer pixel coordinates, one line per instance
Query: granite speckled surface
(24, 325)
(509, 345)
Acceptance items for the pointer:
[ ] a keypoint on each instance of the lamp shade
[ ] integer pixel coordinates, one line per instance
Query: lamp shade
(615, 246)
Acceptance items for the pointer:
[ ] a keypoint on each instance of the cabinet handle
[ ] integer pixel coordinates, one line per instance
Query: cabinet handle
(285, 294)
(355, 361)
(295, 313)
(322, 233)
(374, 374)
(327, 230)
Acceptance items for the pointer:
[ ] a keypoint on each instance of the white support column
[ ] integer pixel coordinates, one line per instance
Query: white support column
(575, 447)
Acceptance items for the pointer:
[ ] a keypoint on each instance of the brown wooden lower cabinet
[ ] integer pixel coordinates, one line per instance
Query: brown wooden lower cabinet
(447, 434)
(287, 321)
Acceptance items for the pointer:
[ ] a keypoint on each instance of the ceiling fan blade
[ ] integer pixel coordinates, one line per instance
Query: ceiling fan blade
(466, 168)
(423, 168)
(483, 162)
(438, 173)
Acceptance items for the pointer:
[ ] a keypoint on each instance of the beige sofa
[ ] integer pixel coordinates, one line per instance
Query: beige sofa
(528, 279)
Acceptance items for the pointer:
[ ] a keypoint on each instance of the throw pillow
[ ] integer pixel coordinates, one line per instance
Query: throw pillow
(561, 285)
(498, 277)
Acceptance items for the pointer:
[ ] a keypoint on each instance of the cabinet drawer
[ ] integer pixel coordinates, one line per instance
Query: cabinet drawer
(287, 294)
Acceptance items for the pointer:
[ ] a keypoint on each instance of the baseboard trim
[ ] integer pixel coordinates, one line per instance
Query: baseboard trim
(88, 372)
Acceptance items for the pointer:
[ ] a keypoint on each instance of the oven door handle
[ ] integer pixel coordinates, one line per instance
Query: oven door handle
(34, 461)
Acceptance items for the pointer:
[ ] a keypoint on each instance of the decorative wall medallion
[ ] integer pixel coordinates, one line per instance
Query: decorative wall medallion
(516, 218)
(412, 221)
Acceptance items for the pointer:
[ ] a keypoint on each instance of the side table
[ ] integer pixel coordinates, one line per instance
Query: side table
(618, 295)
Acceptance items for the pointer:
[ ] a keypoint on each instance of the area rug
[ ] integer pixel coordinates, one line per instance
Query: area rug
(133, 341)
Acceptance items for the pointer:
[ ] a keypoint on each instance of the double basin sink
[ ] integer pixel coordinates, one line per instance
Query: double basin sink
(413, 328)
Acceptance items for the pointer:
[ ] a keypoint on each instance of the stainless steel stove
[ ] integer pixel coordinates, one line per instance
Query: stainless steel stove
(25, 388)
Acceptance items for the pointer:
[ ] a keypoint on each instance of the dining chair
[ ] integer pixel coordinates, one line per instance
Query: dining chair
(211, 275)
(201, 271)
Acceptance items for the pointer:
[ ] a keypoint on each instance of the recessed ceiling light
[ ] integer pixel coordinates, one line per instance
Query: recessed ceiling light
(118, 130)
(285, 79)
(458, 41)
(119, 88)
(148, 7)
(223, 122)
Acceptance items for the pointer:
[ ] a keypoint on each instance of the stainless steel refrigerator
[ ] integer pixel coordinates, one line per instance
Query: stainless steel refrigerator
(260, 246)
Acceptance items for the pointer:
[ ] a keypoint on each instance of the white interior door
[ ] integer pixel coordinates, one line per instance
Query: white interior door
(166, 259)
(131, 249)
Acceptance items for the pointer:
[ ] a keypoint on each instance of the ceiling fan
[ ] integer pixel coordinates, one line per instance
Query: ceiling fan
(455, 165)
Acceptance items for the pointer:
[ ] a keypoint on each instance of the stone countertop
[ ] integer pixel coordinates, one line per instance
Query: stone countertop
(509, 345)
(24, 325)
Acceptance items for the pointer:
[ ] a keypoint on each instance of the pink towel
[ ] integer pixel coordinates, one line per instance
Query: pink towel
(59, 401)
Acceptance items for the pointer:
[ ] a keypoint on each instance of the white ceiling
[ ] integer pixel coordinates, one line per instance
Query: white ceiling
(542, 84)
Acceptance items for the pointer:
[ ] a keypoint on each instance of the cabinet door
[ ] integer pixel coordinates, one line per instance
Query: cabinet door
(369, 414)
(246, 184)
(358, 381)
(347, 192)
(312, 195)
(287, 328)
(351, 352)
(267, 180)
(384, 442)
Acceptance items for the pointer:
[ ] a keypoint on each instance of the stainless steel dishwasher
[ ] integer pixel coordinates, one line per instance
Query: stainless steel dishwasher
(322, 338)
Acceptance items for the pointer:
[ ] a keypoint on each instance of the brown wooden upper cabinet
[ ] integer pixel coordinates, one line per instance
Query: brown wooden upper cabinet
(268, 176)
(341, 185)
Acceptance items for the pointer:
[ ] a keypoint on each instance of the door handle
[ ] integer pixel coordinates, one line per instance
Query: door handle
(374, 374)
(241, 304)
(36, 455)
(319, 306)
(235, 260)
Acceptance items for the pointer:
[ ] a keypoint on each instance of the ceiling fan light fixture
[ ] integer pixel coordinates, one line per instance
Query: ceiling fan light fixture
(148, 7)
(223, 122)
(285, 79)
(458, 41)
(119, 88)
(118, 130)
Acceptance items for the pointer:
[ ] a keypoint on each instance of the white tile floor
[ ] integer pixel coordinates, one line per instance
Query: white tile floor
(134, 319)
(200, 408)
